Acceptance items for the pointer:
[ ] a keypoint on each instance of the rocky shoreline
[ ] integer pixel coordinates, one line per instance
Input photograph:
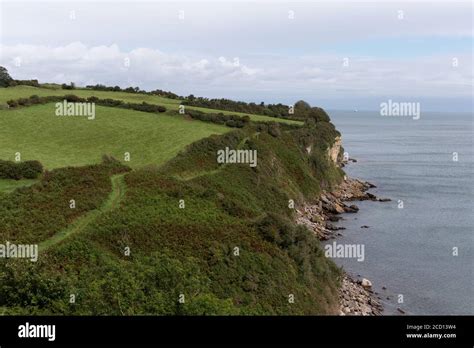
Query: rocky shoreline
(355, 296)
(318, 217)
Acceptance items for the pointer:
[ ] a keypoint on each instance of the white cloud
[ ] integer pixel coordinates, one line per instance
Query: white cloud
(426, 76)
(245, 50)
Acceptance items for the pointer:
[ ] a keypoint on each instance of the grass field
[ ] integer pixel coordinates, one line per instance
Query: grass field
(170, 104)
(38, 134)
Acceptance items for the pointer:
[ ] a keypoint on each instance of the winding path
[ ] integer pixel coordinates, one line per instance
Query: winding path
(112, 202)
(220, 168)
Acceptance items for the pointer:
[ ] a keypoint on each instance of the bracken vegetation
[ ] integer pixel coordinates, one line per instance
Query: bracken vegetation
(31, 214)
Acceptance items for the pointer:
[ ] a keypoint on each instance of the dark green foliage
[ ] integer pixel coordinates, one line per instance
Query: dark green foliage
(135, 90)
(274, 129)
(273, 110)
(23, 285)
(70, 86)
(5, 77)
(20, 170)
(305, 112)
(34, 99)
(32, 83)
(145, 285)
(71, 98)
(233, 121)
(301, 111)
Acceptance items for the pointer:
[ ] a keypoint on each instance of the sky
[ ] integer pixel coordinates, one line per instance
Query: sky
(333, 54)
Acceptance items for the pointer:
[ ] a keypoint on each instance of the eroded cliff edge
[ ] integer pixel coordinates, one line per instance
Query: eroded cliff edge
(355, 296)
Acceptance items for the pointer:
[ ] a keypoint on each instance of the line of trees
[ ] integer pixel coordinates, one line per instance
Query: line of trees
(272, 110)
(34, 100)
(233, 121)
(301, 111)
(136, 90)
(7, 81)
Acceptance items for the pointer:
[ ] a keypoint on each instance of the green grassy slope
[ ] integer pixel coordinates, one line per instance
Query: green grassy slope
(174, 250)
(191, 251)
(170, 104)
(37, 133)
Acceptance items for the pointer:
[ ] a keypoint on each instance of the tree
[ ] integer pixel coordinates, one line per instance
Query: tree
(5, 77)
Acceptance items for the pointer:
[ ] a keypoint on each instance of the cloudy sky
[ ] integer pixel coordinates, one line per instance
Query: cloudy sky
(335, 54)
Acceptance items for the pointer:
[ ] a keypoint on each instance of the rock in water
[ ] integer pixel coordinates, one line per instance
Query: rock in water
(367, 284)
(385, 200)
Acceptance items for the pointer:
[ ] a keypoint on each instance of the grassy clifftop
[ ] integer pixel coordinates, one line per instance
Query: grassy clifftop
(189, 237)
(230, 249)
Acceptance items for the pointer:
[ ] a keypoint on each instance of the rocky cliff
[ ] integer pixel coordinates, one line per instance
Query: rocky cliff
(335, 150)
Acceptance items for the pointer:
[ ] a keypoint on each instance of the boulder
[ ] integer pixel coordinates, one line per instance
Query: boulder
(371, 196)
(367, 284)
(338, 208)
(351, 209)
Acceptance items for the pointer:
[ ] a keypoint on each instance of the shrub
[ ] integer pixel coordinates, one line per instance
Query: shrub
(33, 83)
(70, 86)
(5, 77)
(30, 169)
(71, 98)
(21, 170)
(23, 102)
(274, 130)
(12, 103)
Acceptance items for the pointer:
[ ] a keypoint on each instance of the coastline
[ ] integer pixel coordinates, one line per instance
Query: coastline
(355, 296)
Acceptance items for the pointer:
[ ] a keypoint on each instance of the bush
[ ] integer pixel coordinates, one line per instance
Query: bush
(71, 98)
(12, 103)
(274, 130)
(70, 86)
(21, 170)
(30, 169)
(33, 83)
(5, 78)
(24, 102)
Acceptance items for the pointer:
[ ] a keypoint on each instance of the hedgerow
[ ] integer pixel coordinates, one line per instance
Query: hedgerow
(20, 170)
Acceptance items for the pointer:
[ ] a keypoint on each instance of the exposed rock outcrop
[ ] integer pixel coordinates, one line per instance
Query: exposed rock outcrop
(357, 299)
(317, 216)
(333, 151)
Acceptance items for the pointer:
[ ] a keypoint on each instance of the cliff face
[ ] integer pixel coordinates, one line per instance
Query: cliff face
(335, 149)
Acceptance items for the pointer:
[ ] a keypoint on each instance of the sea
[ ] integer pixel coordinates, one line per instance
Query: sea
(419, 247)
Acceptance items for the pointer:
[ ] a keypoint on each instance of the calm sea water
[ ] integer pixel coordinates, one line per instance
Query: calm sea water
(410, 250)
